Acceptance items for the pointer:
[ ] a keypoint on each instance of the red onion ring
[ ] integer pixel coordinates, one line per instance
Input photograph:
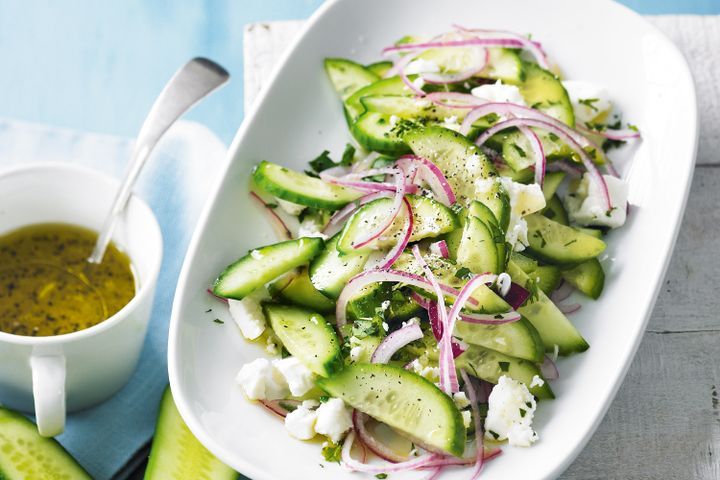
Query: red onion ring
(470, 101)
(549, 370)
(432, 175)
(538, 154)
(440, 248)
(611, 134)
(469, 42)
(353, 464)
(446, 78)
(275, 407)
(472, 396)
(395, 341)
(397, 250)
(277, 223)
(563, 166)
(392, 213)
(533, 47)
(568, 309)
(372, 443)
(562, 292)
(345, 212)
(400, 66)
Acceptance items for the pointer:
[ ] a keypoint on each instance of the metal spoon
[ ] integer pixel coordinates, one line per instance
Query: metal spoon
(193, 82)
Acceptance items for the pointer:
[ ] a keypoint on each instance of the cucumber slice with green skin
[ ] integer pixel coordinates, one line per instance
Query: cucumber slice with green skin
(176, 454)
(552, 325)
(410, 107)
(331, 270)
(517, 151)
(588, 277)
(555, 243)
(302, 189)
(370, 304)
(524, 263)
(517, 339)
(498, 201)
(380, 68)
(483, 212)
(376, 132)
(504, 64)
(544, 91)
(459, 159)
(547, 278)
(403, 400)
(555, 211)
(523, 176)
(430, 219)
(301, 291)
(593, 232)
(385, 86)
(490, 365)
(24, 454)
(477, 250)
(263, 265)
(307, 336)
(347, 76)
(551, 183)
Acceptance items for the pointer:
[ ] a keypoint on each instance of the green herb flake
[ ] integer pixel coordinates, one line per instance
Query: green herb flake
(323, 398)
(217, 320)
(332, 452)
(462, 273)
(588, 102)
(348, 155)
(633, 127)
(522, 412)
(494, 435)
(519, 150)
(570, 242)
(504, 366)
(381, 475)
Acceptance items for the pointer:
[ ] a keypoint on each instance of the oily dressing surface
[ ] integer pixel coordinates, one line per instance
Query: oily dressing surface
(47, 287)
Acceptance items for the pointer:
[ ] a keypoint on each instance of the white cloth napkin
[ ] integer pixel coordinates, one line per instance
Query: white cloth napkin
(698, 37)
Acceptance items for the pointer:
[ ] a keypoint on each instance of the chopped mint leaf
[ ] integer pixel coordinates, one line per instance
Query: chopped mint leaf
(570, 242)
(633, 127)
(287, 406)
(322, 162)
(348, 156)
(519, 150)
(492, 118)
(332, 452)
(323, 398)
(522, 412)
(553, 137)
(495, 435)
(529, 405)
(366, 327)
(588, 102)
(532, 287)
(610, 144)
(549, 213)
(311, 174)
(539, 235)
(271, 205)
(504, 366)
(462, 272)
(284, 353)
(381, 476)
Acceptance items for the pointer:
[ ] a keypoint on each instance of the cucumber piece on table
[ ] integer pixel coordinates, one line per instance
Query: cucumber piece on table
(517, 339)
(457, 157)
(380, 68)
(403, 400)
(176, 454)
(302, 189)
(347, 76)
(306, 335)
(430, 219)
(263, 265)
(559, 244)
(588, 277)
(552, 325)
(490, 365)
(301, 291)
(24, 454)
(331, 270)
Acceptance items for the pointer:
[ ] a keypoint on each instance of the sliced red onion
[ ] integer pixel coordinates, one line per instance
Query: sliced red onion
(447, 78)
(210, 291)
(437, 328)
(568, 309)
(490, 318)
(549, 370)
(439, 248)
(373, 444)
(406, 232)
(538, 153)
(610, 167)
(391, 215)
(277, 223)
(480, 449)
(562, 292)
(348, 209)
(448, 461)
(563, 166)
(611, 134)
(469, 42)
(568, 139)
(465, 293)
(365, 163)
(433, 176)
(400, 66)
(275, 406)
(353, 464)
(516, 296)
(463, 100)
(435, 473)
(350, 181)
(395, 341)
(533, 47)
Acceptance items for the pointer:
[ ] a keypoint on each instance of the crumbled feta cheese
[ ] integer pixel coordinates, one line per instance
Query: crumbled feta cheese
(467, 418)
(261, 381)
(451, 123)
(423, 102)
(511, 408)
(385, 326)
(394, 119)
(461, 400)
(419, 82)
(310, 228)
(289, 207)
(271, 345)
(590, 102)
(300, 423)
(586, 205)
(498, 92)
(429, 372)
(524, 200)
(355, 353)
(248, 314)
(421, 65)
(537, 382)
(333, 419)
(385, 305)
(298, 377)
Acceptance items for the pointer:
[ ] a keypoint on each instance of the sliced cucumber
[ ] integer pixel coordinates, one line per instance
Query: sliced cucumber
(551, 183)
(176, 454)
(430, 219)
(385, 86)
(593, 232)
(588, 277)
(552, 325)
(347, 76)
(483, 212)
(555, 211)
(331, 270)
(301, 291)
(459, 159)
(376, 132)
(544, 91)
(306, 335)
(477, 250)
(490, 365)
(403, 400)
(547, 278)
(24, 454)
(517, 339)
(380, 68)
(497, 200)
(302, 189)
(409, 107)
(263, 265)
(504, 64)
(556, 243)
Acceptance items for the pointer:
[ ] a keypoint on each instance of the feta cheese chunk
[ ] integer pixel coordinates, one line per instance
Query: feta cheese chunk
(524, 200)
(298, 377)
(310, 228)
(261, 381)
(586, 205)
(461, 400)
(289, 207)
(590, 102)
(248, 314)
(467, 418)
(499, 92)
(300, 423)
(429, 372)
(537, 382)
(511, 408)
(452, 123)
(421, 65)
(333, 419)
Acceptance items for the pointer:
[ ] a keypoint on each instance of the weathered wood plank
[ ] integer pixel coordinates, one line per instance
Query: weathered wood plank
(665, 420)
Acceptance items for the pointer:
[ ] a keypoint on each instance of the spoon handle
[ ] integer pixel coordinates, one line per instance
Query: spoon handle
(193, 82)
